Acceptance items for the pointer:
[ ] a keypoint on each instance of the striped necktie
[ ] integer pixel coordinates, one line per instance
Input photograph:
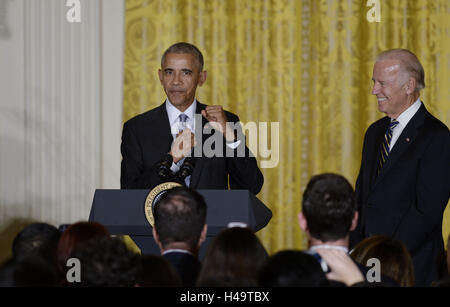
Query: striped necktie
(183, 119)
(386, 143)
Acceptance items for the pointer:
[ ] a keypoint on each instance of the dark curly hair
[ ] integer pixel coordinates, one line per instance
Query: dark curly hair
(107, 262)
(329, 206)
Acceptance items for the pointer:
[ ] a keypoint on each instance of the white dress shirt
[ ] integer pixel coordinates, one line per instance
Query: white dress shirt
(175, 126)
(174, 117)
(403, 120)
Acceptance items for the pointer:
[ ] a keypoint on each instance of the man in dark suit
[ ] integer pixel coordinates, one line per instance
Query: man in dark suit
(404, 182)
(200, 146)
(179, 230)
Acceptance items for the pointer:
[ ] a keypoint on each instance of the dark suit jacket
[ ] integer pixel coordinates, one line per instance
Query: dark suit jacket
(187, 266)
(146, 138)
(407, 199)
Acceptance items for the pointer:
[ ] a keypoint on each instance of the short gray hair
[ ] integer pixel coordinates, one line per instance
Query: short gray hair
(409, 63)
(183, 47)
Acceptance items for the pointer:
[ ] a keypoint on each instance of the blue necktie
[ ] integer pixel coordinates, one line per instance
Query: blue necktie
(386, 143)
(183, 119)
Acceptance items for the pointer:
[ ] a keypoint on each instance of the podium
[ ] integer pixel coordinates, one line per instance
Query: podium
(122, 213)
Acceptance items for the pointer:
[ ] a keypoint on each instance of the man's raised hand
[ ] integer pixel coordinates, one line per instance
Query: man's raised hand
(183, 144)
(218, 120)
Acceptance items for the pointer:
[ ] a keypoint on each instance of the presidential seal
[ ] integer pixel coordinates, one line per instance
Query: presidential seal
(154, 196)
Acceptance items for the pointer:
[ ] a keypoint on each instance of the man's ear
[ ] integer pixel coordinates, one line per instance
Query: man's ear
(203, 235)
(202, 78)
(411, 86)
(160, 75)
(156, 238)
(302, 222)
(354, 221)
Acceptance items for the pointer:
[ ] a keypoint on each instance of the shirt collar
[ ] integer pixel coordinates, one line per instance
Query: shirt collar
(173, 112)
(406, 116)
(177, 250)
(341, 248)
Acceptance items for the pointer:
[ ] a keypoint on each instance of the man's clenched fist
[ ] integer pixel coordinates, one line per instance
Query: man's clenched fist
(217, 119)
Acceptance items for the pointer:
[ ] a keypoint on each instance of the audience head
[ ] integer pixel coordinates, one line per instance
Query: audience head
(394, 258)
(158, 272)
(180, 220)
(292, 268)
(233, 259)
(30, 270)
(329, 208)
(37, 239)
(107, 262)
(77, 235)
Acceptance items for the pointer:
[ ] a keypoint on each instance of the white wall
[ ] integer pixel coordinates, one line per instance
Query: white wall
(60, 107)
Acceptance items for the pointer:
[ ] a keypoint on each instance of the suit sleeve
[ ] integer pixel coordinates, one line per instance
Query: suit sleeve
(133, 174)
(357, 234)
(242, 166)
(432, 194)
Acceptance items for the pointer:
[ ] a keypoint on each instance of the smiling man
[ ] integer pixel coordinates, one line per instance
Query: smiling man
(404, 182)
(157, 146)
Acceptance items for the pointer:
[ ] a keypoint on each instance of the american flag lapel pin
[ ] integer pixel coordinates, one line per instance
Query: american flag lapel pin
(407, 139)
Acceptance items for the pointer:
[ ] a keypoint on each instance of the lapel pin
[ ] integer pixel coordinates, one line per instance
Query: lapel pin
(407, 139)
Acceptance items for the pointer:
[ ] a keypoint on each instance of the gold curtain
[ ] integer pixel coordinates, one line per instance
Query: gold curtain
(306, 64)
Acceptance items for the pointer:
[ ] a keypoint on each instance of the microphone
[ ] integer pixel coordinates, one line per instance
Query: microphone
(186, 168)
(164, 165)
